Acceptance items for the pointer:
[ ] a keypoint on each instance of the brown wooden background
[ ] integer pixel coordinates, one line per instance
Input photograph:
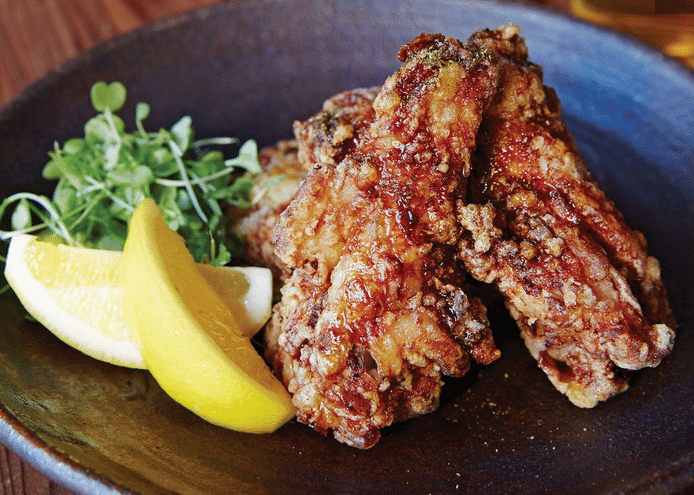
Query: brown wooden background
(37, 35)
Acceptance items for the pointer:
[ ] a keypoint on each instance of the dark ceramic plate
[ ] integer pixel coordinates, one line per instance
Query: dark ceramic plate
(249, 70)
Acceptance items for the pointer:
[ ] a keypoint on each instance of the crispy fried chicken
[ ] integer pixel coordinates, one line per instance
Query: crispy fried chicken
(374, 311)
(587, 298)
(327, 137)
(460, 162)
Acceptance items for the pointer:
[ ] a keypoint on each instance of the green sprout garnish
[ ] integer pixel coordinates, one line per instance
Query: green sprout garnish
(104, 175)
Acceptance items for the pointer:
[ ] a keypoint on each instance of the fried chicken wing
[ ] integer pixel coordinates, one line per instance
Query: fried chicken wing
(579, 282)
(375, 310)
(320, 217)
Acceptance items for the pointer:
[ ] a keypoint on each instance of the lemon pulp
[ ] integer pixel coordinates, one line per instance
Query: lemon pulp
(74, 293)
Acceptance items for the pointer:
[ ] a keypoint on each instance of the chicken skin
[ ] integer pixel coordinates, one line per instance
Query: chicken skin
(375, 309)
(579, 282)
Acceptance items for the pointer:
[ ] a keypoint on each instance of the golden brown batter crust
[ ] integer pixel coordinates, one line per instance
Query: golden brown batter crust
(587, 297)
(460, 163)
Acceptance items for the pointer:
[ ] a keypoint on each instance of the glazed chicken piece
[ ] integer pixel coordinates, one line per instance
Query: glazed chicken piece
(375, 312)
(587, 298)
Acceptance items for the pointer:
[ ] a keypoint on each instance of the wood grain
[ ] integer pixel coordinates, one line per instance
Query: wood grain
(38, 35)
(20, 478)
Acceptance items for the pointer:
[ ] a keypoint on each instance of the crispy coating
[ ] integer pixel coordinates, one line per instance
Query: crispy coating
(460, 162)
(587, 297)
(337, 129)
(320, 217)
(325, 137)
(374, 311)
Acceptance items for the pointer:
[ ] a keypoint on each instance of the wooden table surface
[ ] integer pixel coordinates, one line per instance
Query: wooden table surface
(37, 35)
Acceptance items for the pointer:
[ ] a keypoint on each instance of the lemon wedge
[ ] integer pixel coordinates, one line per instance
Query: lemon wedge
(189, 339)
(245, 290)
(75, 293)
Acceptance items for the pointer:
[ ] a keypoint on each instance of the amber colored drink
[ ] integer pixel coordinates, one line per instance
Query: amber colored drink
(665, 24)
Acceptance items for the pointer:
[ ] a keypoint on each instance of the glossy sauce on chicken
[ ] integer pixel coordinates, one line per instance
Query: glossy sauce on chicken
(459, 165)
(586, 296)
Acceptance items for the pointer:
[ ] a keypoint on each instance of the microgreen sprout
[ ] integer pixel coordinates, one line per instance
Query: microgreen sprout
(102, 176)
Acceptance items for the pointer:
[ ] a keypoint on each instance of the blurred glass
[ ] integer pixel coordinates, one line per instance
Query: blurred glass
(665, 24)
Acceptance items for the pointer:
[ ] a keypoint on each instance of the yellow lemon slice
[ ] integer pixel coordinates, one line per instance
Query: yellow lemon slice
(75, 293)
(189, 338)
